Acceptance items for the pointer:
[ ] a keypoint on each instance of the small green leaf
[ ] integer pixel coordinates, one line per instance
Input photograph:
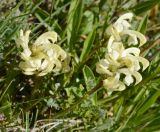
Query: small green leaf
(88, 45)
(89, 77)
(90, 82)
(105, 127)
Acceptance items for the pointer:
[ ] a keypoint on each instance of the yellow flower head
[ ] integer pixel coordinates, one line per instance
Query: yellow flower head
(43, 56)
(119, 60)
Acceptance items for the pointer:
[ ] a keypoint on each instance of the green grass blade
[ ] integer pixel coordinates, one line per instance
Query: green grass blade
(74, 21)
(88, 45)
(143, 25)
(144, 6)
(151, 100)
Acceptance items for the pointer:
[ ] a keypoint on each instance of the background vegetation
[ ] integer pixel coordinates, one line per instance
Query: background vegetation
(76, 101)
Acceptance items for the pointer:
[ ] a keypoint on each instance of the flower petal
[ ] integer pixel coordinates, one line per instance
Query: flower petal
(25, 66)
(65, 64)
(133, 50)
(111, 83)
(28, 72)
(126, 16)
(48, 69)
(57, 66)
(121, 86)
(131, 62)
(110, 43)
(42, 73)
(145, 62)
(25, 55)
(116, 50)
(37, 63)
(132, 40)
(46, 38)
(44, 64)
(60, 53)
(122, 24)
(23, 41)
(128, 80)
(139, 35)
(111, 30)
(102, 67)
(137, 76)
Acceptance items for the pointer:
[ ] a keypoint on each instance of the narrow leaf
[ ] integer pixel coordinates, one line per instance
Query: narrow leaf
(151, 100)
(88, 45)
(144, 6)
(74, 21)
(143, 25)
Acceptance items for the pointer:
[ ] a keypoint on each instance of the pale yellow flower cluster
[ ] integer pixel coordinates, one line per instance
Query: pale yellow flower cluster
(118, 61)
(43, 56)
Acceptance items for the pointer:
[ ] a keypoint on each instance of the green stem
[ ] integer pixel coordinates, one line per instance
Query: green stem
(37, 82)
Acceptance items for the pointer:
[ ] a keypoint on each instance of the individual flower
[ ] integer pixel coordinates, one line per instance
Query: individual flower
(43, 56)
(113, 83)
(122, 28)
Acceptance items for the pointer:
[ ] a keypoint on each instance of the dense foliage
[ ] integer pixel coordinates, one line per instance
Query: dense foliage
(76, 100)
